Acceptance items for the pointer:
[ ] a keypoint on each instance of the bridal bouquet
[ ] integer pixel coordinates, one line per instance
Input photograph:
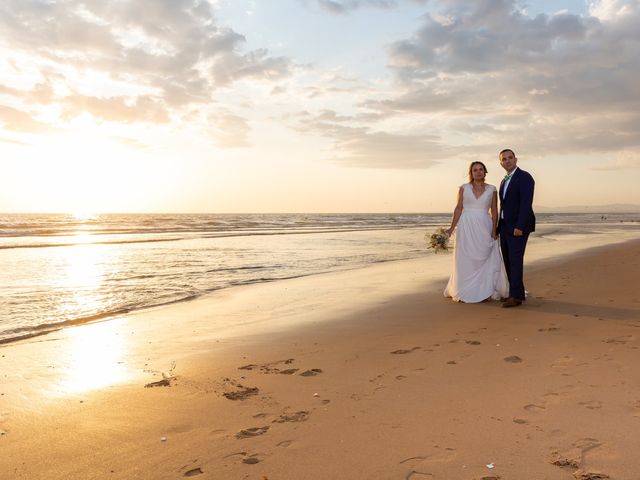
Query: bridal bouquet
(439, 240)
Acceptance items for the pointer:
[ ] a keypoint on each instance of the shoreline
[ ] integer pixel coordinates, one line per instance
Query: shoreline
(375, 376)
(536, 256)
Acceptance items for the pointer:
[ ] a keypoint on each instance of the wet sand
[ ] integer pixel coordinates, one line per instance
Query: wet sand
(366, 374)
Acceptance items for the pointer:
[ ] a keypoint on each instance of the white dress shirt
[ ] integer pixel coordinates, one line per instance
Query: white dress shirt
(504, 189)
(506, 184)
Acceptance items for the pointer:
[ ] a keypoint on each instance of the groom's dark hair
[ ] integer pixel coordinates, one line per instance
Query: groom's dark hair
(507, 150)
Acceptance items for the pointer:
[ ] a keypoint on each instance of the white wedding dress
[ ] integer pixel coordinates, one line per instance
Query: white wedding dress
(478, 272)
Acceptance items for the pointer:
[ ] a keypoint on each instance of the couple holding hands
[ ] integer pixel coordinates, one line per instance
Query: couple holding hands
(479, 273)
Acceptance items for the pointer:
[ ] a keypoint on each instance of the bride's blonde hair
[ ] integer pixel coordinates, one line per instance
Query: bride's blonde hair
(471, 170)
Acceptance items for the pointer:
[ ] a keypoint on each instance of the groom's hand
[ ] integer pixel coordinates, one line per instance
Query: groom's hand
(517, 232)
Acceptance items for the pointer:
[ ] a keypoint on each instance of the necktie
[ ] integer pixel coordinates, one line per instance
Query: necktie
(507, 177)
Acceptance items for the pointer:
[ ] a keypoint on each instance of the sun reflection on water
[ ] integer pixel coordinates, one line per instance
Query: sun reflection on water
(80, 237)
(83, 265)
(82, 281)
(95, 354)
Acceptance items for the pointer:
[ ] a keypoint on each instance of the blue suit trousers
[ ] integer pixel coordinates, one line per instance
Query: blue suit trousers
(513, 256)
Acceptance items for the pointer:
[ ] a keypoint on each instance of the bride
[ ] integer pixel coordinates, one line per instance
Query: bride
(478, 272)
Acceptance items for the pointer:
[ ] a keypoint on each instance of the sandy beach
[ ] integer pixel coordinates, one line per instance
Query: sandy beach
(222, 231)
(364, 374)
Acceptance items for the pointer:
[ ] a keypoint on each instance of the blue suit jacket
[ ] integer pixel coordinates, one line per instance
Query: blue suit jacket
(516, 207)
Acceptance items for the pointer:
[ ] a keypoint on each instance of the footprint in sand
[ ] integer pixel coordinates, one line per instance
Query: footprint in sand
(267, 367)
(532, 407)
(251, 432)
(438, 456)
(165, 382)
(242, 454)
(284, 444)
(249, 460)
(564, 462)
(289, 371)
(404, 352)
(592, 404)
(573, 457)
(301, 416)
(242, 394)
(573, 460)
(311, 373)
(472, 332)
(421, 465)
(414, 475)
(193, 472)
(520, 421)
(621, 340)
(513, 359)
(583, 475)
(472, 342)
(565, 361)
(412, 459)
(251, 366)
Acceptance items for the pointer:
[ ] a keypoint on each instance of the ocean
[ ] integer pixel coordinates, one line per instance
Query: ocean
(58, 270)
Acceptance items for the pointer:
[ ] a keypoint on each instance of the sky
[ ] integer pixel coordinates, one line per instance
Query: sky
(239, 106)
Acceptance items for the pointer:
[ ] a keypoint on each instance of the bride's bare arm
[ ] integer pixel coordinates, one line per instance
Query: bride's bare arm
(494, 214)
(456, 213)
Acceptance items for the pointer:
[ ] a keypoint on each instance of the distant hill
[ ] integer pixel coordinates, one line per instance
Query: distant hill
(613, 208)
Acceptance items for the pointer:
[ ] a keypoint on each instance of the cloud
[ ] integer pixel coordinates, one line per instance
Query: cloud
(117, 109)
(486, 36)
(624, 161)
(341, 7)
(334, 6)
(481, 75)
(20, 121)
(231, 131)
(358, 146)
(14, 142)
(130, 142)
(374, 149)
(150, 57)
(614, 10)
(549, 83)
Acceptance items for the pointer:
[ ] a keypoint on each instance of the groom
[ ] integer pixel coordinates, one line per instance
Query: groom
(515, 224)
